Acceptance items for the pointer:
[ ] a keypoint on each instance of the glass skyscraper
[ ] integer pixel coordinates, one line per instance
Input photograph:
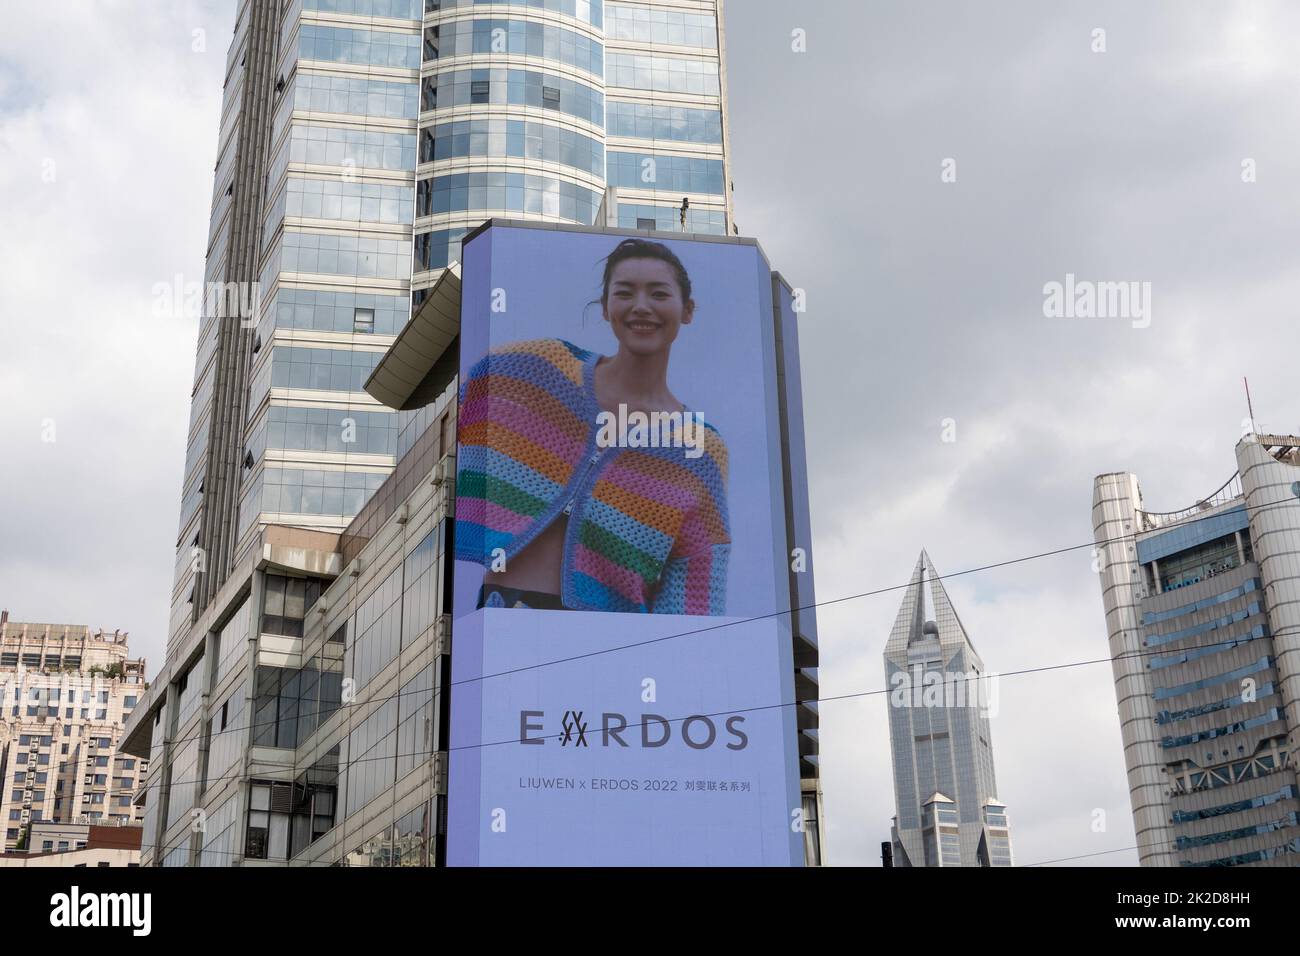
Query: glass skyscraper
(948, 813)
(1203, 617)
(301, 716)
(360, 140)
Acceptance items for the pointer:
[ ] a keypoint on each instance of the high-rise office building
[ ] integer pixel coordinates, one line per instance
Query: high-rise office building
(948, 813)
(301, 714)
(1203, 618)
(65, 694)
(359, 141)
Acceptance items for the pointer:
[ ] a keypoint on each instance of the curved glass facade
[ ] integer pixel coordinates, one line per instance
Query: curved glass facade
(519, 139)
(508, 192)
(497, 117)
(511, 87)
(589, 11)
(522, 37)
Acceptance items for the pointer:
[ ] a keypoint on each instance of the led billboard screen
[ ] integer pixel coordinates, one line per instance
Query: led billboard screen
(621, 660)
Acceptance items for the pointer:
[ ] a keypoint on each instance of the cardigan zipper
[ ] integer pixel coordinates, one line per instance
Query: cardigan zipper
(577, 486)
(581, 488)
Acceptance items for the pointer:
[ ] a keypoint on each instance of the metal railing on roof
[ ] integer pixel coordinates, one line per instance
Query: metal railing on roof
(1229, 491)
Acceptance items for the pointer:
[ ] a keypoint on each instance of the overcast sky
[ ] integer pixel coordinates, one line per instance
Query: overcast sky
(925, 303)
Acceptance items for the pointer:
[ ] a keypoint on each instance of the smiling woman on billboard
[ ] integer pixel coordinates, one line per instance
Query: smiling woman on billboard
(584, 483)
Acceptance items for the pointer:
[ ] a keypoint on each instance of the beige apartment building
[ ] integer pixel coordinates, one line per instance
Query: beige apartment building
(65, 693)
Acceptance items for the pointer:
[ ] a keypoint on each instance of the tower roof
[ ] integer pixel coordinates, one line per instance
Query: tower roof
(927, 614)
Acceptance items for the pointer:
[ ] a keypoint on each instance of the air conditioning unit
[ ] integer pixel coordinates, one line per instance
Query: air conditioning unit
(445, 472)
(443, 634)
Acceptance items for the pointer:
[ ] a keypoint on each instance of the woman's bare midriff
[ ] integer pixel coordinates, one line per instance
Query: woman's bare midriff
(537, 567)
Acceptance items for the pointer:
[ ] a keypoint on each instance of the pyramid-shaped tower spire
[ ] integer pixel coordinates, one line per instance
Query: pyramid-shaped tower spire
(909, 625)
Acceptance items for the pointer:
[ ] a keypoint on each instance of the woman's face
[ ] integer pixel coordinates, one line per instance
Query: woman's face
(645, 307)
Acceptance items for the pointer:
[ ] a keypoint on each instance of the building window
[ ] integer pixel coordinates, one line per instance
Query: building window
(286, 603)
(550, 98)
(269, 805)
(479, 91)
(363, 320)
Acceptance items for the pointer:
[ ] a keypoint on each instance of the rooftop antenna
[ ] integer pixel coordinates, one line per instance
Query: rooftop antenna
(1249, 409)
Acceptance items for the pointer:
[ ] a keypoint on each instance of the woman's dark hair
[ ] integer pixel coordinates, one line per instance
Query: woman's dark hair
(644, 249)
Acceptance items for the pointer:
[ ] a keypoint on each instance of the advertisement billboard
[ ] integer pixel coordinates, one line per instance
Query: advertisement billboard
(622, 672)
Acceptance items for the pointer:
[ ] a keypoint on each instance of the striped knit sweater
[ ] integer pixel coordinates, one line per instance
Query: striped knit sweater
(647, 527)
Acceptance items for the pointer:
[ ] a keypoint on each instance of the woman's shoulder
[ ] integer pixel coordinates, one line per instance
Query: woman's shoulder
(556, 351)
(714, 453)
(534, 354)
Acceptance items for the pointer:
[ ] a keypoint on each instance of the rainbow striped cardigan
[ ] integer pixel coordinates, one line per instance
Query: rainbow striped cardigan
(647, 527)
